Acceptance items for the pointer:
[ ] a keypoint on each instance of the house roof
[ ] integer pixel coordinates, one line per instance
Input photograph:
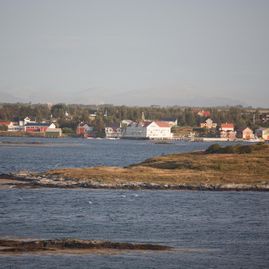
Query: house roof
(37, 124)
(146, 123)
(208, 120)
(163, 124)
(169, 119)
(113, 126)
(227, 125)
(247, 130)
(262, 129)
(126, 121)
(5, 122)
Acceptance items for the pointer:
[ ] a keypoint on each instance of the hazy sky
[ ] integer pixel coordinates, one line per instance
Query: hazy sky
(167, 52)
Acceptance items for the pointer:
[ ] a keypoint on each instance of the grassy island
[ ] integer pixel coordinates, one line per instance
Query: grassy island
(238, 167)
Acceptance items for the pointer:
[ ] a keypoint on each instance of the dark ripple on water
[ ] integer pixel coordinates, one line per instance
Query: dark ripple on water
(231, 227)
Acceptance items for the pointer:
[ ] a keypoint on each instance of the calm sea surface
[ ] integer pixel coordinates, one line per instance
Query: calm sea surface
(18, 154)
(222, 229)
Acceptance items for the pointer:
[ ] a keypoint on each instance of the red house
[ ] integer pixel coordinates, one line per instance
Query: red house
(227, 127)
(83, 129)
(37, 127)
(7, 124)
(204, 113)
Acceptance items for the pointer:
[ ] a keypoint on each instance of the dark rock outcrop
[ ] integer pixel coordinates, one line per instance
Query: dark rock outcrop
(73, 244)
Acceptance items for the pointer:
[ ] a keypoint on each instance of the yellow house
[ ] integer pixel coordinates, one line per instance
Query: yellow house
(247, 134)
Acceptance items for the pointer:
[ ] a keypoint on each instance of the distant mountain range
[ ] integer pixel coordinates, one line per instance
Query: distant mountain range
(167, 97)
(9, 98)
(131, 98)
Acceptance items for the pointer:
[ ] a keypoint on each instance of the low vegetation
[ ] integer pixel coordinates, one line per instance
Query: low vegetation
(235, 165)
(236, 149)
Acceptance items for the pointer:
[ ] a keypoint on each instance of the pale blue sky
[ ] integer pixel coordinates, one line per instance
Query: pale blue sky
(138, 52)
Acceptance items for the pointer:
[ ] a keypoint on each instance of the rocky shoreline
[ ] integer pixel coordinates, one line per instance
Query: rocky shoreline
(33, 180)
(73, 246)
(233, 168)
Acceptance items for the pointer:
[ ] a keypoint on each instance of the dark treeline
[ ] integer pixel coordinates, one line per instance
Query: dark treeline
(68, 116)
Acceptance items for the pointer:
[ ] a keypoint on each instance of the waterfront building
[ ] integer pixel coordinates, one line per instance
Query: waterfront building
(10, 126)
(15, 127)
(83, 129)
(135, 130)
(148, 130)
(28, 120)
(227, 131)
(53, 132)
(5, 123)
(113, 131)
(37, 127)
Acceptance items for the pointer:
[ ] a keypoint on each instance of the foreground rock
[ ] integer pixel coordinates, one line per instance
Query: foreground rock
(244, 168)
(11, 181)
(15, 246)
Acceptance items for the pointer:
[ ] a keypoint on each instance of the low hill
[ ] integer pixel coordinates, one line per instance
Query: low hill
(230, 167)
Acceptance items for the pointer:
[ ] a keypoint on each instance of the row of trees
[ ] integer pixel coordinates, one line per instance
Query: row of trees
(68, 116)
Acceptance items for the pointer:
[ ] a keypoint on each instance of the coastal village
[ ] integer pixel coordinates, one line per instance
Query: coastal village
(134, 134)
(161, 129)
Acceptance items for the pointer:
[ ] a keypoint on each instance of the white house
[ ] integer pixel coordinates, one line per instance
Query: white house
(148, 130)
(113, 131)
(126, 122)
(15, 127)
(12, 126)
(159, 130)
(52, 126)
(28, 120)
